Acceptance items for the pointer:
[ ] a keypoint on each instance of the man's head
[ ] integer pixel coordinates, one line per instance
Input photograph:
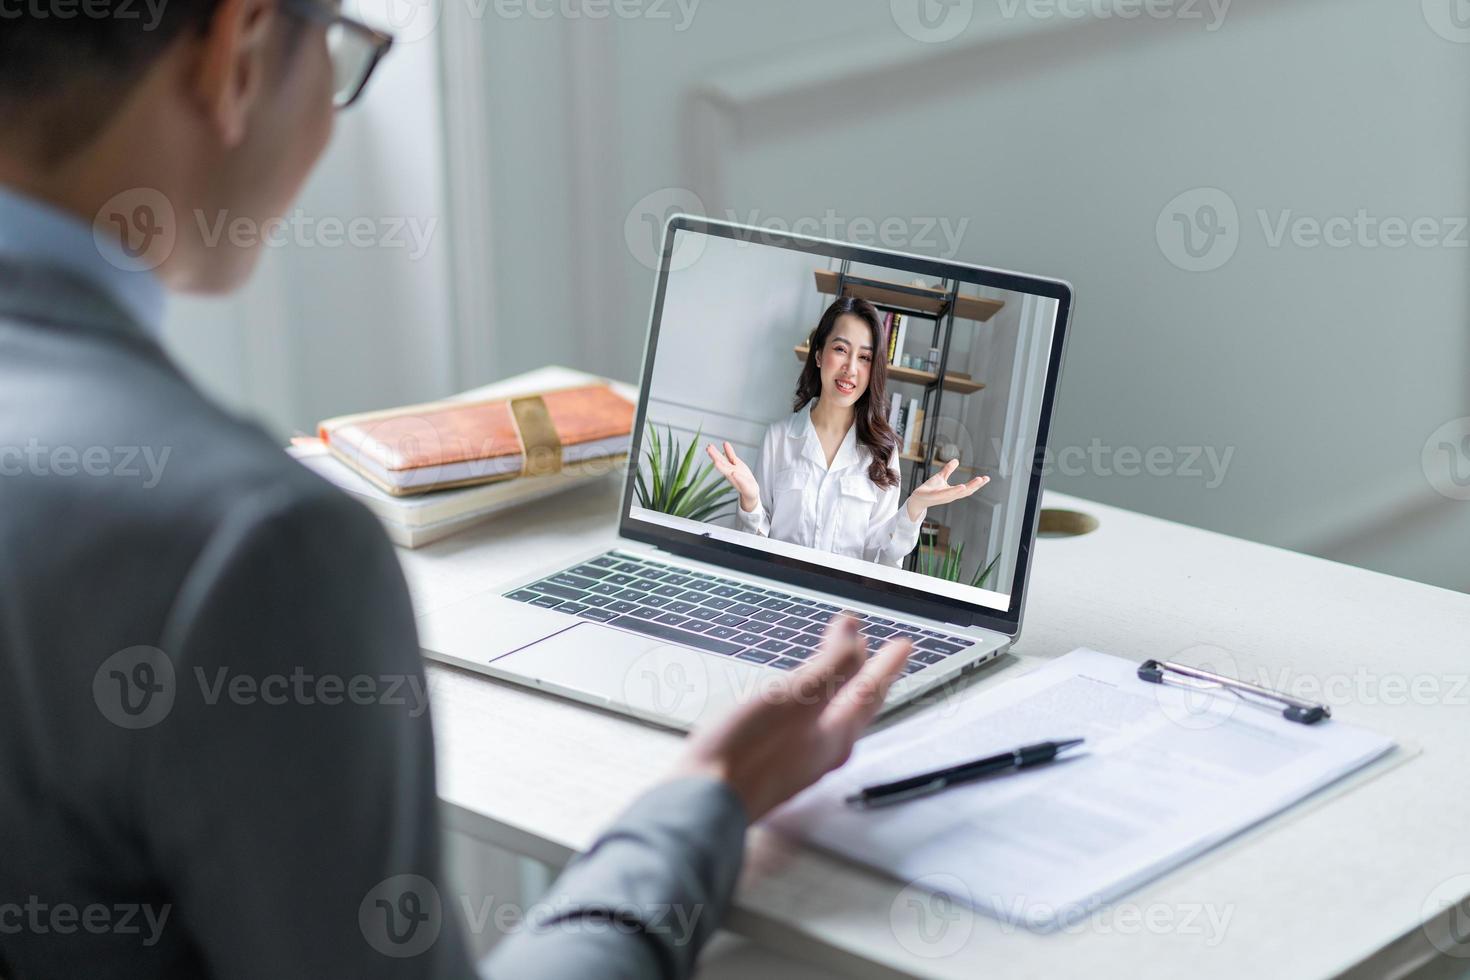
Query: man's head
(219, 107)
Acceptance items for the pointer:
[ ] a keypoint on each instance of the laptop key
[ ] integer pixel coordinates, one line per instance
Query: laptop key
(767, 616)
(604, 561)
(597, 600)
(606, 588)
(786, 663)
(773, 603)
(572, 607)
(754, 626)
(728, 620)
(939, 646)
(773, 646)
(679, 580)
(657, 601)
(755, 656)
(700, 641)
(560, 591)
(877, 631)
(700, 612)
(572, 581)
(621, 578)
(795, 622)
(627, 567)
(926, 657)
(680, 606)
(747, 639)
(782, 632)
(629, 594)
(622, 606)
(723, 632)
(599, 615)
(522, 595)
(744, 609)
(547, 601)
(588, 570)
(672, 591)
(716, 603)
(814, 629)
(725, 591)
(750, 597)
(644, 583)
(913, 667)
(695, 626)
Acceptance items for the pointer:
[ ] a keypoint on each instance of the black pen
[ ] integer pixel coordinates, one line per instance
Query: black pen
(966, 772)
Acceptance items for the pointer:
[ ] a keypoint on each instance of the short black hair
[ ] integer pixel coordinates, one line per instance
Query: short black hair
(66, 65)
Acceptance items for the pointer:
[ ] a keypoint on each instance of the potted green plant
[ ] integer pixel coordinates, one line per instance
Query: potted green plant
(949, 564)
(674, 486)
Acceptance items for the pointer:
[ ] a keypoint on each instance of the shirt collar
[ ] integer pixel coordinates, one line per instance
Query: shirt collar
(38, 232)
(803, 429)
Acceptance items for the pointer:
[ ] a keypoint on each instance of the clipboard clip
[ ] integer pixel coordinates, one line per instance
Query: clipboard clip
(1182, 675)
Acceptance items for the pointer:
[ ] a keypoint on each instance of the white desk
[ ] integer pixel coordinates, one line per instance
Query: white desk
(1328, 887)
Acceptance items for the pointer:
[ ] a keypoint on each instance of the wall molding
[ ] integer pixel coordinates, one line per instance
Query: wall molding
(469, 213)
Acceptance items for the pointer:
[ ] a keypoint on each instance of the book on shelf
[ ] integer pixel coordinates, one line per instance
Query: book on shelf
(412, 521)
(895, 331)
(459, 443)
(919, 435)
(913, 429)
(895, 405)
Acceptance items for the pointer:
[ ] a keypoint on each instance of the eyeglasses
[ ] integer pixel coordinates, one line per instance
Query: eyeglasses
(354, 47)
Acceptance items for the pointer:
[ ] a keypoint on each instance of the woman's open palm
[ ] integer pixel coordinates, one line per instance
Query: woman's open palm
(938, 490)
(733, 468)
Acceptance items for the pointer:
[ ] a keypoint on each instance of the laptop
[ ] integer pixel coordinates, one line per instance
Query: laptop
(697, 607)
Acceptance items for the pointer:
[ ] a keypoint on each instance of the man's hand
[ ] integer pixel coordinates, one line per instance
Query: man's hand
(772, 748)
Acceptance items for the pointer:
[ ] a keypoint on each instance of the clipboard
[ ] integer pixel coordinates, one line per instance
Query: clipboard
(1198, 679)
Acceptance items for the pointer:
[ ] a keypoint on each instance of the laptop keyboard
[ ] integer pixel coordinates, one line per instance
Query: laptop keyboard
(718, 615)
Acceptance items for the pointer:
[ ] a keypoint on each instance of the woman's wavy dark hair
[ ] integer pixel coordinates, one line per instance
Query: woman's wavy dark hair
(873, 430)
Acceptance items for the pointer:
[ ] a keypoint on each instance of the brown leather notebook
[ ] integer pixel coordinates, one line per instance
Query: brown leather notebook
(419, 448)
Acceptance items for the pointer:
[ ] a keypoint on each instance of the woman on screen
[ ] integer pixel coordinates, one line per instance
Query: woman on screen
(828, 476)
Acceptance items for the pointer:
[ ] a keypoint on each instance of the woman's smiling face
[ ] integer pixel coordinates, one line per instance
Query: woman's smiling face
(847, 360)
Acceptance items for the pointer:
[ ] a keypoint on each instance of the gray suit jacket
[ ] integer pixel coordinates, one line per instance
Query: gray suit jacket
(215, 759)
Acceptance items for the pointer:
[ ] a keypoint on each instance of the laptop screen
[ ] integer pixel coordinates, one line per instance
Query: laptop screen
(850, 419)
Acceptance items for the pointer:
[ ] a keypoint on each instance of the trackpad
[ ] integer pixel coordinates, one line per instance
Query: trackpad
(660, 681)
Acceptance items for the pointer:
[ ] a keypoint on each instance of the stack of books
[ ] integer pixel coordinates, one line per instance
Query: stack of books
(908, 422)
(428, 471)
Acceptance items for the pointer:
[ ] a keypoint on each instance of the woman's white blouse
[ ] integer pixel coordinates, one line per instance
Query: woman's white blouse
(837, 508)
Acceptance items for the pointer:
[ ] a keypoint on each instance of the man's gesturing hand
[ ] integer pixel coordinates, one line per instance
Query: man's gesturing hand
(774, 747)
